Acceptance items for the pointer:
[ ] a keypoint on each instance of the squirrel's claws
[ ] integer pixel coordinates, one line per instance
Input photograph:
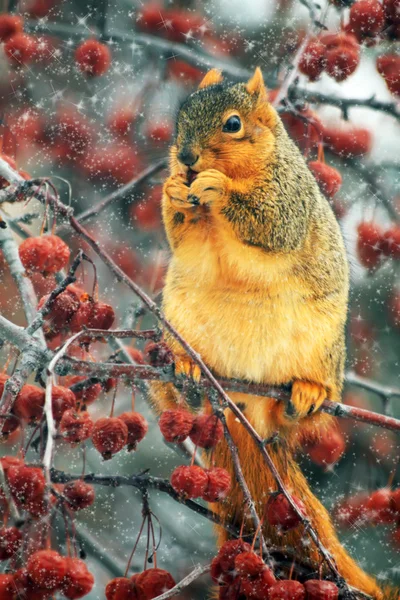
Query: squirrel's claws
(306, 399)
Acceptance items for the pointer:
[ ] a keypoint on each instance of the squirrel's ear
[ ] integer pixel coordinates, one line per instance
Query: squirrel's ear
(210, 78)
(255, 85)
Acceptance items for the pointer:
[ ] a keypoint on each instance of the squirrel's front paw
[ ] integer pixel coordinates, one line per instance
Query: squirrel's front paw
(306, 399)
(184, 366)
(208, 186)
(177, 190)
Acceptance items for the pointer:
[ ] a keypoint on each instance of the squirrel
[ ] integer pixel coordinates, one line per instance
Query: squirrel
(258, 285)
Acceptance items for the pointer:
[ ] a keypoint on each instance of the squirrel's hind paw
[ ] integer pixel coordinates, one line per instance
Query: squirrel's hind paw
(306, 399)
(184, 366)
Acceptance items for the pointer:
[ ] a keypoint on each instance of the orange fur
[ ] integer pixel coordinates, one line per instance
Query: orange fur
(257, 284)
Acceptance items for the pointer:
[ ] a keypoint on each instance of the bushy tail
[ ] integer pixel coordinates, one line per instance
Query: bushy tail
(261, 484)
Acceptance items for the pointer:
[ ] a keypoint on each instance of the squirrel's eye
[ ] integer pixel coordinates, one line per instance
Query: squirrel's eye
(232, 125)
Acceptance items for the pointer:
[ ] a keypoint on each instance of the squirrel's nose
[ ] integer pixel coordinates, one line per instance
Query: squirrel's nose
(187, 157)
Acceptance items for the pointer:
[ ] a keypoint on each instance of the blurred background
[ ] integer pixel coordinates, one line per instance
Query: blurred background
(93, 132)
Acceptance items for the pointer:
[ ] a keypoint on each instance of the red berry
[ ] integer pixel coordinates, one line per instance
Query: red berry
(351, 510)
(321, 590)
(158, 354)
(76, 426)
(279, 512)
(9, 26)
(20, 48)
(313, 61)
(110, 435)
(29, 403)
(93, 58)
(135, 354)
(229, 551)
(389, 67)
(101, 317)
(79, 495)
(62, 399)
(341, 62)
(369, 244)
(77, 581)
(380, 507)
(287, 590)
(249, 564)
(10, 461)
(219, 576)
(257, 588)
(159, 132)
(121, 121)
(207, 431)
(7, 587)
(328, 178)
(62, 310)
(340, 39)
(153, 582)
(175, 425)
(75, 131)
(8, 425)
(121, 588)
(26, 483)
(25, 587)
(10, 542)
(306, 130)
(218, 485)
(189, 481)
(46, 254)
(391, 242)
(137, 428)
(366, 18)
(348, 143)
(396, 501)
(47, 569)
(328, 449)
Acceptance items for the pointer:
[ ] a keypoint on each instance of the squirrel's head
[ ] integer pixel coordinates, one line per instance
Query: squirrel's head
(225, 126)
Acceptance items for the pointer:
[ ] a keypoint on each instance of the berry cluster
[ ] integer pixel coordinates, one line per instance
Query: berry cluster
(205, 431)
(46, 573)
(111, 434)
(142, 586)
(336, 54)
(46, 254)
(212, 485)
(73, 310)
(374, 244)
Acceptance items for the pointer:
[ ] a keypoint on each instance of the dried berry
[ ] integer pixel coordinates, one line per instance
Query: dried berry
(76, 426)
(29, 403)
(366, 18)
(207, 431)
(328, 178)
(47, 569)
(313, 61)
(249, 564)
(9, 26)
(26, 483)
(78, 581)
(79, 495)
(257, 588)
(189, 481)
(369, 244)
(218, 485)
(110, 435)
(321, 590)
(93, 58)
(158, 354)
(380, 507)
(390, 243)
(10, 542)
(46, 254)
(287, 590)
(20, 49)
(341, 62)
(281, 514)
(328, 448)
(229, 551)
(62, 310)
(7, 587)
(219, 576)
(137, 428)
(175, 425)
(153, 582)
(121, 588)
(62, 399)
